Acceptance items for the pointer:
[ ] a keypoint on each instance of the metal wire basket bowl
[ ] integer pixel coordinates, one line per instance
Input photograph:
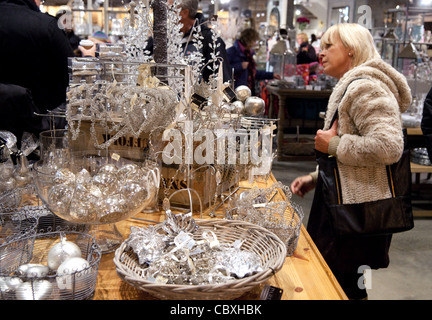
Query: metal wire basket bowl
(27, 273)
(270, 249)
(282, 217)
(16, 225)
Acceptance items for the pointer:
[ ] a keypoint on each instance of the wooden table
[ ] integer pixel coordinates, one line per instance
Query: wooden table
(282, 94)
(304, 276)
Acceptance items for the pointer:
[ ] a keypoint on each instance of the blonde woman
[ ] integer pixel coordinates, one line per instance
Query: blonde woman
(306, 53)
(370, 96)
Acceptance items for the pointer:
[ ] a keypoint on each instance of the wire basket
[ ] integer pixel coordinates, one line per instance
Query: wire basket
(15, 225)
(26, 274)
(283, 218)
(258, 240)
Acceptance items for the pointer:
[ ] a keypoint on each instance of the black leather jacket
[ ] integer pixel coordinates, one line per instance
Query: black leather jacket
(34, 53)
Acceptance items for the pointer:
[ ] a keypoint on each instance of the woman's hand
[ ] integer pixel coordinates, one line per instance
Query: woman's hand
(302, 185)
(245, 64)
(322, 138)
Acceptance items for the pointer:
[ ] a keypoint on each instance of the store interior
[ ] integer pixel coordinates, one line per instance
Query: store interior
(402, 34)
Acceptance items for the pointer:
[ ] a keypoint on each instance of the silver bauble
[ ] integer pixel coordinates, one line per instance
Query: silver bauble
(254, 106)
(227, 107)
(238, 106)
(34, 290)
(243, 92)
(59, 196)
(61, 252)
(33, 270)
(12, 283)
(72, 274)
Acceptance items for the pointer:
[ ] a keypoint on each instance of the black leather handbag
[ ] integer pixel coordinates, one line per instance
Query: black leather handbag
(380, 217)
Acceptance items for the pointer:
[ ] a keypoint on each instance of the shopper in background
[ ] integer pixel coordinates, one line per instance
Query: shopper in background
(370, 96)
(315, 43)
(190, 18)
(306, 53)
(426, 123)
(241, 59)
(34, 56)
(99, 37)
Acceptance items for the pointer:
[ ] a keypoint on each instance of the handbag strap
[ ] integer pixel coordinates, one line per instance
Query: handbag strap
(336, 114)
(388, 167)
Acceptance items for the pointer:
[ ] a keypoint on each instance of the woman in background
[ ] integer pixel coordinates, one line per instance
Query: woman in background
(240, 57)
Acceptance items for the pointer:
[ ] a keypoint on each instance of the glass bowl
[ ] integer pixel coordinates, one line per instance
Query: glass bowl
(98, 187)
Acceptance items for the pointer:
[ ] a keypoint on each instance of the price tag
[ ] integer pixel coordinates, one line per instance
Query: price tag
(271, 293)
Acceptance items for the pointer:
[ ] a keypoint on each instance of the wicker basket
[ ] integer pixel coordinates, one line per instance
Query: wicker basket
(262, 242)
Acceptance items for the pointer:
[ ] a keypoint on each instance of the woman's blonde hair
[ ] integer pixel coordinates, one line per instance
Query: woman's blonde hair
(354, 37)
(303, 36)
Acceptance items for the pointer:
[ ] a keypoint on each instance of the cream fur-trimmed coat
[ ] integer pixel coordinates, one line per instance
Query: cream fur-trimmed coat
(369, 128)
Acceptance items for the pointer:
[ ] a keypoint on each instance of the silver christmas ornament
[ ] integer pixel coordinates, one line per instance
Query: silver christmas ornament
(32, 270)
(10, 283)
(61, 252)
(254, 106)
(243, 92)
(34, 290)
(238, 106)
(72, 273)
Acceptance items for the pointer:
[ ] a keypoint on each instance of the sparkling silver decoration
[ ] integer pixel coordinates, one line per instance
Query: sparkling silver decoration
(243, 92)
(238, 106)
(258, 206)
(72, 273)
(186, 254)
(34, 290)
(32, 270)
(254, 106)
(97, 191)
(61, 252)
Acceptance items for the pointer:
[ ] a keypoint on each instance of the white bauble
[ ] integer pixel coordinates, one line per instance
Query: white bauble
(62, 251)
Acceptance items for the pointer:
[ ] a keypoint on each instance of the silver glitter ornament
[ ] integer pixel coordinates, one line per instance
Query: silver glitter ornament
(34, 290)
(129, 171)
(59, 197)
(33, 270)
(10, 283)
(238, 106)
(113, 208)
(64, 175)
(243, 92)
(135, 192)
(61, 252)
(72, 273)
(254, 106)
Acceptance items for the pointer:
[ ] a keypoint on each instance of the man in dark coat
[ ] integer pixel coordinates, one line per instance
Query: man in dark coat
(34, 52)
(190, 18)
(426, 123)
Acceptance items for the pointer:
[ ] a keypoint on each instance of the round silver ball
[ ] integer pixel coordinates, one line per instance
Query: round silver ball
(238, 106)
(243, 92)
(254, 106)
